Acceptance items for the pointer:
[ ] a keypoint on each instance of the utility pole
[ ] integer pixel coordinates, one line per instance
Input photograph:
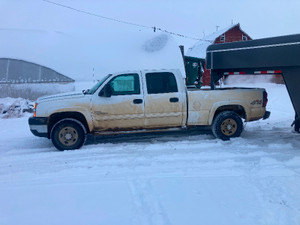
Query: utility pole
(94, 75)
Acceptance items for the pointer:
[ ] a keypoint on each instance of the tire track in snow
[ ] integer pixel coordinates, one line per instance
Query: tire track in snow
(151, 162)
(279, 198)
(148, 207)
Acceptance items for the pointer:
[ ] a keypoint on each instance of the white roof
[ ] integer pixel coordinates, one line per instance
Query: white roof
(199, 49)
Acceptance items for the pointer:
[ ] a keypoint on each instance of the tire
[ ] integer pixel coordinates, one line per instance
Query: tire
(68, 134)
(226, 125)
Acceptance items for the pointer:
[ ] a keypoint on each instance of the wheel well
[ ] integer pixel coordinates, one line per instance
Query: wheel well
(235, 108)
(54, 118)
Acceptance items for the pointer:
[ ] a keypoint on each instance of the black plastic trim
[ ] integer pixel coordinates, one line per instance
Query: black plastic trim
(38, 121)
(267, 115)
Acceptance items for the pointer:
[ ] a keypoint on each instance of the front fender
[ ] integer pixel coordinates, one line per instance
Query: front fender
(84, 111)
(49, 108)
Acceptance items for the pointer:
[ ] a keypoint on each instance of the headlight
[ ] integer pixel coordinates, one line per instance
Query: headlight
(34, 109)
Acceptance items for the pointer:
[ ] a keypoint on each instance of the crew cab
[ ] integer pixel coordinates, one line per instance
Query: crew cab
(144, 101)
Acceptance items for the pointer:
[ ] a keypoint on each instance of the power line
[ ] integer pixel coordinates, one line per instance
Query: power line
(96, 15)
(181, 35)
(122, 21)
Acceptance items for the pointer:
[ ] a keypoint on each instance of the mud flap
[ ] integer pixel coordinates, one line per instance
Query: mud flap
(266, 115)
(296, 124)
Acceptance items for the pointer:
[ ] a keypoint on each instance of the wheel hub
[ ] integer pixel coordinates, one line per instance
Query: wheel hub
(68, 136)
(229, 127)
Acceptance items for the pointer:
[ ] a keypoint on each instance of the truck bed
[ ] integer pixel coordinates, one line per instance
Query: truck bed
(205, 102)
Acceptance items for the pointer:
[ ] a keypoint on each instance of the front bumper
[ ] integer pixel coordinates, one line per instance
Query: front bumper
(38, 126)
(267, 115)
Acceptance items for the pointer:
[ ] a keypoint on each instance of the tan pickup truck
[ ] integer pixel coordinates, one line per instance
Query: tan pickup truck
(144, 101)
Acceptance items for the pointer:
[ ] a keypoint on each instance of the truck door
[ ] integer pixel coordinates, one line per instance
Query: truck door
(164, 103)
(123, 107)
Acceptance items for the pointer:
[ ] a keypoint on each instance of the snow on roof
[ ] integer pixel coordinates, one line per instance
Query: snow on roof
(199, 49)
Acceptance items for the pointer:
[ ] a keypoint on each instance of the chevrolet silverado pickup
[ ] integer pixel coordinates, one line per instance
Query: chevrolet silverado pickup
(144, 101)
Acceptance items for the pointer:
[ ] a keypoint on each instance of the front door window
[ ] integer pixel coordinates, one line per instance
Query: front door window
(127, 84)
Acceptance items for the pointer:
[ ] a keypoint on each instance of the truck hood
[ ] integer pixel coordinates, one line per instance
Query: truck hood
(67, 95)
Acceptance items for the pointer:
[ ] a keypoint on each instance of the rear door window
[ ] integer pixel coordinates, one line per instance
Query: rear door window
(162, 82)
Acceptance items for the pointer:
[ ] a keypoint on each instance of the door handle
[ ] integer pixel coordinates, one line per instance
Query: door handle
(174, 99)
(137, 101)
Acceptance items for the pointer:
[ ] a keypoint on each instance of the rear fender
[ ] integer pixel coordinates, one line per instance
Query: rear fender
(235, 106)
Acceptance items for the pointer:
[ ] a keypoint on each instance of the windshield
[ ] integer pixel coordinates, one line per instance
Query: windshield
(96, 86)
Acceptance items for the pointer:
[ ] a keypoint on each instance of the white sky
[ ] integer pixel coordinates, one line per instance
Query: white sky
(258, 18)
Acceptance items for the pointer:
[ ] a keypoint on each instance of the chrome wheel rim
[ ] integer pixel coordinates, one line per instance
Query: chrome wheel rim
(68, 136)
(229, 127)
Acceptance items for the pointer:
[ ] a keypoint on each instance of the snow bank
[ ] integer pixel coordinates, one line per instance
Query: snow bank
(33, 91)
(15, 107)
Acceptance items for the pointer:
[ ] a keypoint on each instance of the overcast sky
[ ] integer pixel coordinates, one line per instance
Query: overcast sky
(195, 18)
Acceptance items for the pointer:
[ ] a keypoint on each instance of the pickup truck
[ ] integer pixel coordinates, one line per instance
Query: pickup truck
(144, 101)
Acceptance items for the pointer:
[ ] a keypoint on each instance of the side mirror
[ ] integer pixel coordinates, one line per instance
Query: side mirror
(106, 91)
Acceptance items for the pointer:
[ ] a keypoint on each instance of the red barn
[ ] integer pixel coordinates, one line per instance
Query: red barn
(229, 34)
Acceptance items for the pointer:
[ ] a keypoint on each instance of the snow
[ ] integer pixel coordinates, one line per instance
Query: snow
(167, 178)
(15, 107)
(170, 178)
(34, 90)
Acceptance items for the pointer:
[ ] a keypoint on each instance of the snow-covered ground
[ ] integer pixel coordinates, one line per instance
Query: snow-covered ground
(175, 178)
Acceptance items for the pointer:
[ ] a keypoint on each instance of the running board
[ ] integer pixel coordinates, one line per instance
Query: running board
(139, 131)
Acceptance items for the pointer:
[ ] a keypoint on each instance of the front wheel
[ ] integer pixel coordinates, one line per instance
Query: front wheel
(227, 124)
(68, 134)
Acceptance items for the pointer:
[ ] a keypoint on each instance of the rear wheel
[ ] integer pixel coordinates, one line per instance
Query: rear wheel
(68, 134)
(226, 125)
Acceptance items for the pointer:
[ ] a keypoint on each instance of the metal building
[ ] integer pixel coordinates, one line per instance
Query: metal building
(19, 71)
(19, 78)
